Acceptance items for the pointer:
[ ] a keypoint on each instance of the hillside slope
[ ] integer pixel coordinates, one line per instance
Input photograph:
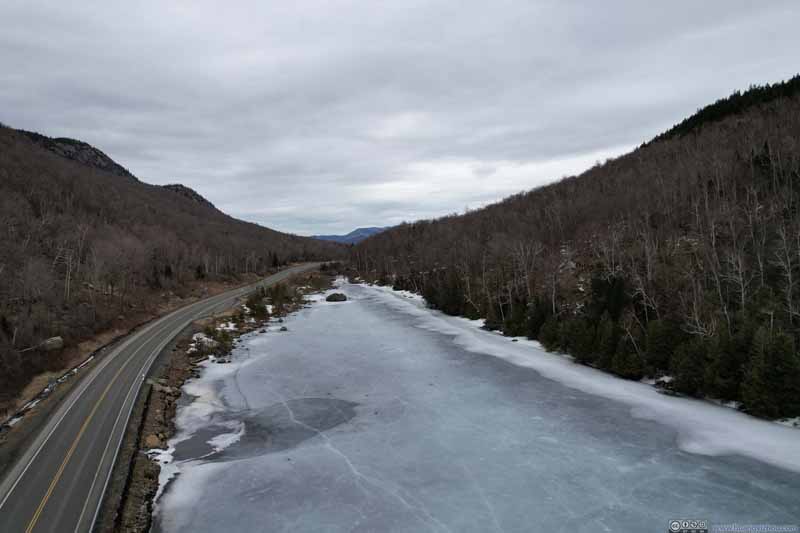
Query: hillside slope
(84, 243)
(681, 258)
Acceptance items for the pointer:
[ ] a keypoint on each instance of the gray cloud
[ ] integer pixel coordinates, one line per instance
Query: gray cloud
(317, 117)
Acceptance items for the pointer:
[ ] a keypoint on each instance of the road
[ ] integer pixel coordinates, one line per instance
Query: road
(58, 484)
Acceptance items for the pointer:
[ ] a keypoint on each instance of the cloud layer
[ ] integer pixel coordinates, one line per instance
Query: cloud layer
(317, 117)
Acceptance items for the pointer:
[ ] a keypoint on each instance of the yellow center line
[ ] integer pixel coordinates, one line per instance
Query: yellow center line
(72, 448)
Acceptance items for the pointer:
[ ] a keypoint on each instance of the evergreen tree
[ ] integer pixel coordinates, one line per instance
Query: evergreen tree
(516, 320)
(453, 302)
(537, 313)
(755, 388)
(492, 316)
(771, 387)
(662, 337)
(549, 334)
(607, 295)
(687, 365)
(784, 374)
(723, 373)
(606, 341)
(626, 362)
(578, 339)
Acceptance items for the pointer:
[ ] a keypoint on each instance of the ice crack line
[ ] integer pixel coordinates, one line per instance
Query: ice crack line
(358, 476)
(484, 498)
(470, 474)
(239, 388)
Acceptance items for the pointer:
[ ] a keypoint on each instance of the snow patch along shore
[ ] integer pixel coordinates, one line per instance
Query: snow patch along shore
(196, 415)
(703, 428)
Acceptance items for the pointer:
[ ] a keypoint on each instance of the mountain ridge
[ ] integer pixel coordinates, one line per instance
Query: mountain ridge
(79, 151)
(354, 237)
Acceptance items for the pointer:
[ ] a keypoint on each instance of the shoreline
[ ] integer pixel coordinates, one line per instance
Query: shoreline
(660, 384)
(45, 392)
(703, 427)
(406, 376)
(209, 341)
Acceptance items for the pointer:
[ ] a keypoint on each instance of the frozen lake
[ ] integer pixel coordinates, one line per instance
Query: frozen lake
(368, 416)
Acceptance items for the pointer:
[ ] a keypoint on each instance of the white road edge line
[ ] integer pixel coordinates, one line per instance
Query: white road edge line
(240, 292)
(63, 411)
(113, 429)
(135, 386)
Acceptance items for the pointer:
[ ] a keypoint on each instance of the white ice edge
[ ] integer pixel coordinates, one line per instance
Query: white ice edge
(195, 415)
(224, 440)
(206, 402)
(703, 428)
(168, 469)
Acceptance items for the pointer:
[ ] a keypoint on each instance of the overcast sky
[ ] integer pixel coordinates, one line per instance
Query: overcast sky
(318, 117)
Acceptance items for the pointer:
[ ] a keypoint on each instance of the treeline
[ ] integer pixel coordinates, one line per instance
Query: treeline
(734, 104)
(80, 246)
(680, 259)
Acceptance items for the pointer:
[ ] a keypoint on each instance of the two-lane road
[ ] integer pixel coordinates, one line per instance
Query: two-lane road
(58, 484)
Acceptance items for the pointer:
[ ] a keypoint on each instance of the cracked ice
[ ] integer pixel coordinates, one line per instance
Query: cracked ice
(363, 417)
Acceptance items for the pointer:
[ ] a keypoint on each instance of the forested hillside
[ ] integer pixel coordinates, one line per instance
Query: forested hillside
(681, 258)
(83, 242)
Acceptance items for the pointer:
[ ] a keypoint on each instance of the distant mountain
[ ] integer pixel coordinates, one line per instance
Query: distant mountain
(354, 237)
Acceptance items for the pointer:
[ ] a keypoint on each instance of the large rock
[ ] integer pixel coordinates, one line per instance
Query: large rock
(336, 297)
(165, 389)
(52, 344)
(152, 441)
(201, 339)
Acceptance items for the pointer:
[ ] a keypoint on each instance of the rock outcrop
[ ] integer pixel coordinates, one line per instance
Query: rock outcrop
(189, 193)
(52, 344)
(81, 152)
(153, 441)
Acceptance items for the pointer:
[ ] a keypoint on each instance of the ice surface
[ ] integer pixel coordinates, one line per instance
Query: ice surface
(377, 414)
(704, 428)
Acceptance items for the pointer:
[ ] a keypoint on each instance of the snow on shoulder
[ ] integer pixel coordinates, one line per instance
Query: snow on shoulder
(703, 427)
